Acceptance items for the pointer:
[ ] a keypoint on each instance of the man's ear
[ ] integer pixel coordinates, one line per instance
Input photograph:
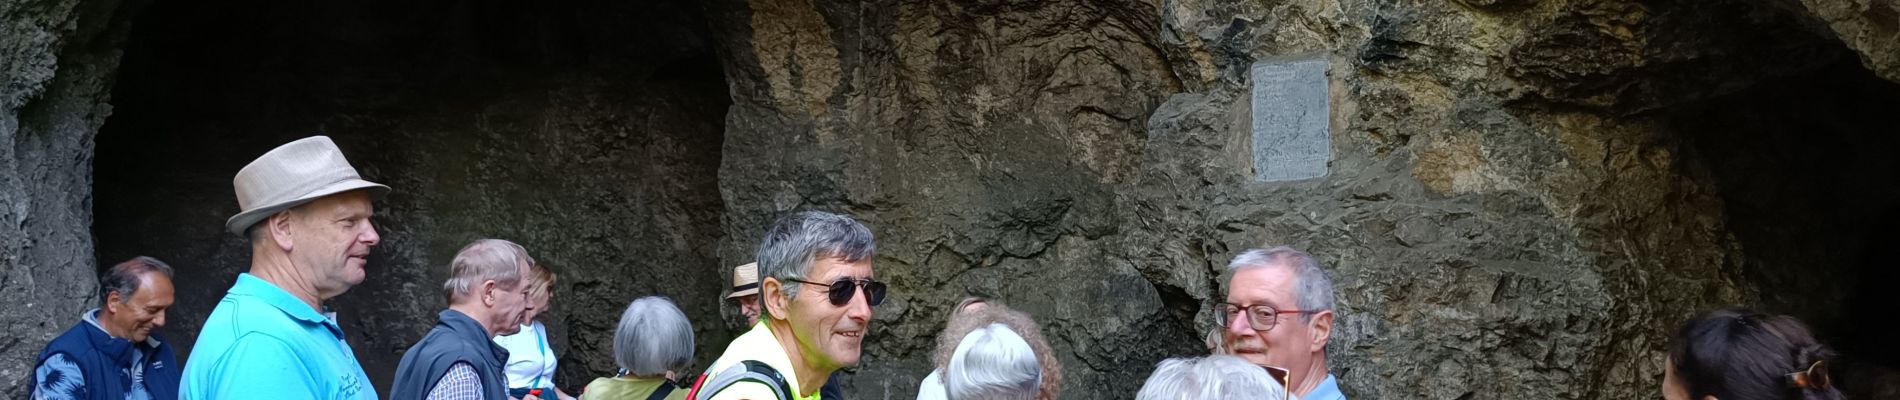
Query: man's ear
(772, 297)
(114, 300)
(279, 226)
(488, 292)
(1322, 329)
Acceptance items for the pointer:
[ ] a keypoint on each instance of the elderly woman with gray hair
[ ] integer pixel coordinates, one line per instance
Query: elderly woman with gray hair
(653, 344)
(1217, 377)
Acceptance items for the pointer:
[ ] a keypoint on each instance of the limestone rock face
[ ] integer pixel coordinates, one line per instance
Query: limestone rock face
(57, 64)
(985, 143)
(1870, 27)
(1522, 198)
(1513, 210)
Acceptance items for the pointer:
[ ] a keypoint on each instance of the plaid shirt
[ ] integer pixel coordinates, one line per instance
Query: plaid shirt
(459, 384)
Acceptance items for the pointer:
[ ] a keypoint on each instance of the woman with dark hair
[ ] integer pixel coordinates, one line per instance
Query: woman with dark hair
(1736, 354)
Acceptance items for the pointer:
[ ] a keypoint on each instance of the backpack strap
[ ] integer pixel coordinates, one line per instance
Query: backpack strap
(664, 390)
(745, 371)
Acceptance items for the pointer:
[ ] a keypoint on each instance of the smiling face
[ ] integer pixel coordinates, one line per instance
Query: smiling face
(133, 318)
(749, 305)
(332, 236)
(830, 336)
(1289, 343)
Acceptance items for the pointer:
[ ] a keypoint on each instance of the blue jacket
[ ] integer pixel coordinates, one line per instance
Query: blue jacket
(456, 338)
(106, 362)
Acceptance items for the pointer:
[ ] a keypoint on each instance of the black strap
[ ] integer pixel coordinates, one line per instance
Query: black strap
(665, 389)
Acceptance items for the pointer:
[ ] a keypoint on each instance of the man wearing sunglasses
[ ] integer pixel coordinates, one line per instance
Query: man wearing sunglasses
(1278, 314)
(817, 291)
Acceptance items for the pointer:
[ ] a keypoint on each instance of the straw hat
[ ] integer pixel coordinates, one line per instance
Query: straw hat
(745, 281)
(290, 175)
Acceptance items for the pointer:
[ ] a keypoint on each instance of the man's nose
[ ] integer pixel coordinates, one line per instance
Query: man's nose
(369, 236)
(159, 321)
(859, 308)
(1237, 325)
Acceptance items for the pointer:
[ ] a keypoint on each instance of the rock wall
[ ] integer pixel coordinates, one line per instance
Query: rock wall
(1522, 199)
(1870, 27)
(589, 133)
(57, 64)
(1515, 207)
(983, 142)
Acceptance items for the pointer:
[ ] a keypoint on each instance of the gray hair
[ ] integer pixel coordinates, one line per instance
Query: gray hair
(485, 260)
(1209, 378)
(653, 338)
(797, 241)
(993, 362)
(124, 278)
(1313, 289)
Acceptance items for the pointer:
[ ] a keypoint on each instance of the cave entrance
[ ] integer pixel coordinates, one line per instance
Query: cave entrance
(588, 131)
(1806, 169)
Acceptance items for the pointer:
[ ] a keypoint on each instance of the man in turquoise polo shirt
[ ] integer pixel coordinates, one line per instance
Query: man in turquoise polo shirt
(307, 213)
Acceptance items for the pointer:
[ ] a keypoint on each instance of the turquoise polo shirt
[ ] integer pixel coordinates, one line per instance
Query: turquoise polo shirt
(262, 342)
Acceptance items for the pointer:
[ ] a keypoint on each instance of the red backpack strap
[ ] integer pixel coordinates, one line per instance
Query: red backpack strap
(694, 394)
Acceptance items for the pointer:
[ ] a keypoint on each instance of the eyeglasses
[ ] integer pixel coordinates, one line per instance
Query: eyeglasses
(841, 291)
(1259, 316)
(1815, 377)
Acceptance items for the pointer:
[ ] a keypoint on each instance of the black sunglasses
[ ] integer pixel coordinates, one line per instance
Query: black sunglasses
(841, 291)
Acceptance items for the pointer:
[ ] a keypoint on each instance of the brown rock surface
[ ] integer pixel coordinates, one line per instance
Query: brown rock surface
(1870, 27)
(1517, 207)
(1524, 196)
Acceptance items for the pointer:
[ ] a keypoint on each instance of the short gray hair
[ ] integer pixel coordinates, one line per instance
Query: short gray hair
(797, 241)
(484, 260)
(993, 362)
(124, 278)
(1314, 291)
(1208, 378)
(653, 338)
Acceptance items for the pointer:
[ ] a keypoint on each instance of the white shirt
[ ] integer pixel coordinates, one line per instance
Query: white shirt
(932, 387)
(529, 359)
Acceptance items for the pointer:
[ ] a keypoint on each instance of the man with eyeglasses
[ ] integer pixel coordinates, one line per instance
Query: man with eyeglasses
(1278, 314)
(817, 291)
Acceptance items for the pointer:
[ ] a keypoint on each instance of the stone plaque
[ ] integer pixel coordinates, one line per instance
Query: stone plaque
(1291, 119)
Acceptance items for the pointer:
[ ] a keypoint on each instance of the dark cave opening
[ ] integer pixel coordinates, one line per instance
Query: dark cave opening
(589, 132)
(1812, 193)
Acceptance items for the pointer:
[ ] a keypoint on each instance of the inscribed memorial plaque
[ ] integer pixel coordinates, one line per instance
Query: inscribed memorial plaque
(1291, 117)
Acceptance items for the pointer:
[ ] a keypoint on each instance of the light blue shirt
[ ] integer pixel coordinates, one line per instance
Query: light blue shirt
(1327, 390)
(261, 341)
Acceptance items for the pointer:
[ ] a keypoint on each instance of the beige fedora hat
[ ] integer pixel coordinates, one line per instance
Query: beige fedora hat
(745, 281)
(290, 175)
